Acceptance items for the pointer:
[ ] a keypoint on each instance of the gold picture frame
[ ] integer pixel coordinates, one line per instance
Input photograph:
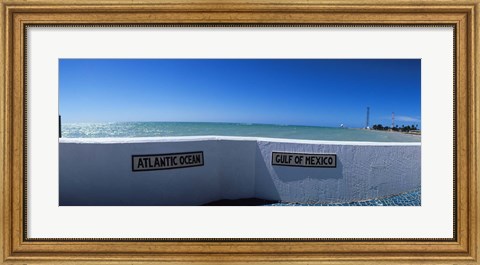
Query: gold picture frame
(18, 248)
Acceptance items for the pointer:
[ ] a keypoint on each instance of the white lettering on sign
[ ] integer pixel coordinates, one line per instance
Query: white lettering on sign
(166, 161)
(304, 160)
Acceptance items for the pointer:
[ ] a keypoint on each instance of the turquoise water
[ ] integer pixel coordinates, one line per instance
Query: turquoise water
(158, 129)
(155, 129)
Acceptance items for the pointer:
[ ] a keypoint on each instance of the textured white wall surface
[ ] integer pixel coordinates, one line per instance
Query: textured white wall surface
(99, 171)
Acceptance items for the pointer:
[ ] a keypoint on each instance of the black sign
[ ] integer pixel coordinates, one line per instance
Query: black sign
(166, 161)
(304, 160)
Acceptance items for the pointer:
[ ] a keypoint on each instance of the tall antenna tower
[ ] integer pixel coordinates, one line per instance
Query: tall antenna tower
(393, 120)
(367, 125)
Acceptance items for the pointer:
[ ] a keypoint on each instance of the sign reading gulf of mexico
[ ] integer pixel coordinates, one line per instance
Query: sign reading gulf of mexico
(166, 161)
(304, 160)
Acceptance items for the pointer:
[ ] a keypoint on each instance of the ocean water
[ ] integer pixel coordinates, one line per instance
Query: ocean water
(159, 129)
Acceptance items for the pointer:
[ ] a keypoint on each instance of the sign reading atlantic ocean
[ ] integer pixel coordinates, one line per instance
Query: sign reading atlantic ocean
(166, 161)
(304, 160)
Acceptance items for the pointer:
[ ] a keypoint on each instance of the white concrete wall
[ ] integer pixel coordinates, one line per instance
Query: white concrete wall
(362, 172)
(98, 171)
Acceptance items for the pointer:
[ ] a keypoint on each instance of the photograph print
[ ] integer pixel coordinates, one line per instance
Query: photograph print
(239, 132)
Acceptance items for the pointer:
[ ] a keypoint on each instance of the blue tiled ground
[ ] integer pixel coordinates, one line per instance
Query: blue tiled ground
(412, 198)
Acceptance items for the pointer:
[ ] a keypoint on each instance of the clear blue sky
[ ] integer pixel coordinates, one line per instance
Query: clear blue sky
(273, 91)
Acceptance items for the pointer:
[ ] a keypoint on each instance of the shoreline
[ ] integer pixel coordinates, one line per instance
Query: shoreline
(419, 133)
